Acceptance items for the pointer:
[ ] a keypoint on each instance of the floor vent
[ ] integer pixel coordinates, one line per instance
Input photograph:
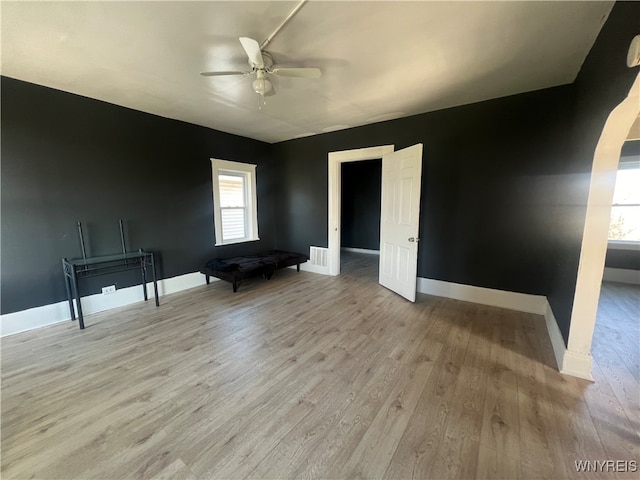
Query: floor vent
(318, 256)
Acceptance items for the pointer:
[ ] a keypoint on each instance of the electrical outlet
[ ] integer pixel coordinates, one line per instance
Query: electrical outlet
(109, 289)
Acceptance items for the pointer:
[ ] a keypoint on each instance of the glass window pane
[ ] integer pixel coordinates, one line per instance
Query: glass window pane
(627, 187)
(231, 190)
(233, 223)
(625, 223)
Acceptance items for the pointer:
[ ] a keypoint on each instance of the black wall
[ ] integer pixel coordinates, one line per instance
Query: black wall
(360, 214)
(631, 148)
(488, 172)
(505, 181)
(625, 259)
(67, 158)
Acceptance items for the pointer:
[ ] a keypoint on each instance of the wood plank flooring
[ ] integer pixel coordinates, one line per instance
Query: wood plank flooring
(308, 376)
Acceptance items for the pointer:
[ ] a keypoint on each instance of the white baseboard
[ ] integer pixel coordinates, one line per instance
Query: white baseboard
(16, 322)
(577, 365)
(12, 323)
(307, 267)
(361, 250)
(621, 275)
(167, 286)
(521, 302)
(568, 362)
(557, 341)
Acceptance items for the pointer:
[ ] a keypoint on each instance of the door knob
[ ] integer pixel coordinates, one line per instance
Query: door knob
(412, 239)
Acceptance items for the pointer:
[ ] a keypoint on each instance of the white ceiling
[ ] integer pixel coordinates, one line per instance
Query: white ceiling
(379, 60)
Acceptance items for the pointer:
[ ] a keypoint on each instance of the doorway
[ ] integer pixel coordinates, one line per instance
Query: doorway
(400, 214)
(360, 218)
(336, 159)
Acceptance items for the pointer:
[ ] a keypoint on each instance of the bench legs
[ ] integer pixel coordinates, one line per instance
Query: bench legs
(235, 286)
(298, 267)
(208, 279)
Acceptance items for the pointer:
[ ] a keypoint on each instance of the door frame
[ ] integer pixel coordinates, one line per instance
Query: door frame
(335, 160)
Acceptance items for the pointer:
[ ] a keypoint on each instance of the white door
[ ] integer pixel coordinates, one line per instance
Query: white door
(399, 219)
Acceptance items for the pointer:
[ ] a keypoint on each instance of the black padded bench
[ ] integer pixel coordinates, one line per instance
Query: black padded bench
(263, 264)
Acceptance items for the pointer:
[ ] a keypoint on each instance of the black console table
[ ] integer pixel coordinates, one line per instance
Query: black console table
(80, 268)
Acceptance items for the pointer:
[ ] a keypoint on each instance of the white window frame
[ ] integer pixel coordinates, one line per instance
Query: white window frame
(634, 245)
(248, 172)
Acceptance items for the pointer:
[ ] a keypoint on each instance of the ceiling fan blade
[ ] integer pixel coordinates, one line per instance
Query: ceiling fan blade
(297, 72)
(221, 74)
(252, 48)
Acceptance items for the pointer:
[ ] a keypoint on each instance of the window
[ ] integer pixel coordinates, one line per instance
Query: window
(625, 211)
(234, 202)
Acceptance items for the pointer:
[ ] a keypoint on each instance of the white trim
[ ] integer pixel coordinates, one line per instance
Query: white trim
(177, 284)
(521, 302)
(577, 364)
(16, 322)
(335, 159)
(360, 250)
(248, 171)
(307, 267)
(568, 362)
(232, 242)
(621, 275)
(557, 341)
(594, 238)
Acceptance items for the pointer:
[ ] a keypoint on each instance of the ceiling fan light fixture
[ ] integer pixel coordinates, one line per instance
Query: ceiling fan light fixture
(261, 63)
(262, 86)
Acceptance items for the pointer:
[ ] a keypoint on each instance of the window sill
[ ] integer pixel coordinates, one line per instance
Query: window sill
(235, 242)
(623, 245)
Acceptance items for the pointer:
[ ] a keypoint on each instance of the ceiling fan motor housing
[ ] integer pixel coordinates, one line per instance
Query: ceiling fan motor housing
(267, 62)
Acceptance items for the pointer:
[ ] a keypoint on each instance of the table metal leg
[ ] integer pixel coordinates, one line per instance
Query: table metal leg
(155, 281)
(67, 285)
(76, 292)
(144, 278)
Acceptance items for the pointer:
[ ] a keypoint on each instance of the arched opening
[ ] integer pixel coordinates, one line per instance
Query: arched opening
(577, 358)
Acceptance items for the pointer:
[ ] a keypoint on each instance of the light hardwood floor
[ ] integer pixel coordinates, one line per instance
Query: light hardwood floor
(308, 376)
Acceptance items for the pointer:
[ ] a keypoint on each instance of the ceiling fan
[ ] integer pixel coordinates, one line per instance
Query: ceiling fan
(261, 66)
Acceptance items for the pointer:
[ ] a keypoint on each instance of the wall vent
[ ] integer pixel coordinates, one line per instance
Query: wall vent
(319, 256)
